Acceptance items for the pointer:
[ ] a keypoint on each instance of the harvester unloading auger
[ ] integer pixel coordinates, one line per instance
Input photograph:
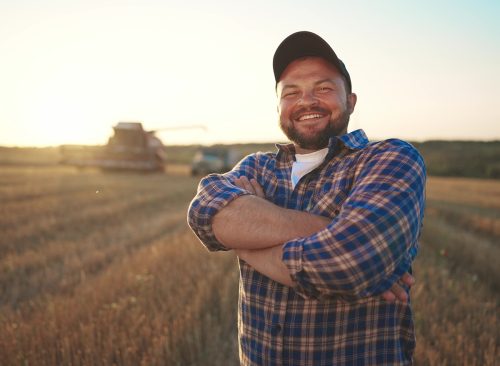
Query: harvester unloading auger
(130, 148)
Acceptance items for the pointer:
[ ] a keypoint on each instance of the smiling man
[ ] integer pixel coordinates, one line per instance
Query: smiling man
(314, 103)
(325, 229)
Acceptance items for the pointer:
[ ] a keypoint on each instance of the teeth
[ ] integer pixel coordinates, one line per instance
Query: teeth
(309, 116)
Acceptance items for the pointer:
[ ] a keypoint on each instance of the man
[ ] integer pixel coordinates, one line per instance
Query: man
(325, 229)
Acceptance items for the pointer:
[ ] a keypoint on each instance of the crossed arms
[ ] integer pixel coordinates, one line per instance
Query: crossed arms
(256, 229)
(363, 251)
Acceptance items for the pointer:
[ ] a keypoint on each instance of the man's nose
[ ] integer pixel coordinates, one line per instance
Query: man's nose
(307, 99)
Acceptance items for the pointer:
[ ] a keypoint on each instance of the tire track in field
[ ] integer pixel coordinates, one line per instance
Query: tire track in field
(15, 214)
(74, 222)
(37, 202)
(31, 189)
(58, 271)
(464, 249)
(485, 223)
(80, 243)
(169, 303)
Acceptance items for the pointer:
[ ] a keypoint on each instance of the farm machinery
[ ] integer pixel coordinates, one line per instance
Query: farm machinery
(214, 160)
(130, 148)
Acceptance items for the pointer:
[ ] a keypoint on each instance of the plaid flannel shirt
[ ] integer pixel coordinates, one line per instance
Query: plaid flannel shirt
(374, 195)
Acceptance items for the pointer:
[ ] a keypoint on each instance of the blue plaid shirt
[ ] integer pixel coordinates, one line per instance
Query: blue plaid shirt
(374, 195)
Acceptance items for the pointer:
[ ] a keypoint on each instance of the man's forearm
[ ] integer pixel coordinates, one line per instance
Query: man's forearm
(268, 262)
(251, 222)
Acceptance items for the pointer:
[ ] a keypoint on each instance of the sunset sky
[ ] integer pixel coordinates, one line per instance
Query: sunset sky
(71, 69)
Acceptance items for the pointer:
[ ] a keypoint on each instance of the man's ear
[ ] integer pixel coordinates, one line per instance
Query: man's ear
(351, 102)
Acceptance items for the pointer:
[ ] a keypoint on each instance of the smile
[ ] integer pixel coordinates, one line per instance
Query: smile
(306, 117)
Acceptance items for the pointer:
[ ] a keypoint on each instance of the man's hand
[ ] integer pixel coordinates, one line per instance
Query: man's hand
(395, 292)
(251, 186)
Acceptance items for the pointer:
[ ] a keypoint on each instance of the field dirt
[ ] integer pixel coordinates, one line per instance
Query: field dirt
(100, 269)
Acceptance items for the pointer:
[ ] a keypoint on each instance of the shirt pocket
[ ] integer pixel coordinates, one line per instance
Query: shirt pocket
(328, 202)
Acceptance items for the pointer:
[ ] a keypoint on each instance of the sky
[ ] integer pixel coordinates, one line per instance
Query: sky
(70, 69)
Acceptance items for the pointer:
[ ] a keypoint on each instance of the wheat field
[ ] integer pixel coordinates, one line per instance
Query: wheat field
(100, 269)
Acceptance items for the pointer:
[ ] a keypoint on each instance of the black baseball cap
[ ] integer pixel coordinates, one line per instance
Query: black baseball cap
(302, 44)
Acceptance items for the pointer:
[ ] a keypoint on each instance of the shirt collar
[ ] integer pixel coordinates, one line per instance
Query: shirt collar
(355, 140)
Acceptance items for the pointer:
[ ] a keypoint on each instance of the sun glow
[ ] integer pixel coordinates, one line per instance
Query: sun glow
(71, 70)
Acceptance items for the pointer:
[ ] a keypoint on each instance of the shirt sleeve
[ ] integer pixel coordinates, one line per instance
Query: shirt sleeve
(373, 240)
(215, 191)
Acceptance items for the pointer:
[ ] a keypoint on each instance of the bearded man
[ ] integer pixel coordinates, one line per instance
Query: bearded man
(325, 229)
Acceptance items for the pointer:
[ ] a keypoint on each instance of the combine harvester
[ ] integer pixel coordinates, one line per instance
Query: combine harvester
(130, 148)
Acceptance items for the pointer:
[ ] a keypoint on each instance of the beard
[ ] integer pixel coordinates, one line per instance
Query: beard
(319, 140)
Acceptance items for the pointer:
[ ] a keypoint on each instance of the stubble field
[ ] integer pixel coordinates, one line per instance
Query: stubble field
(100, 269)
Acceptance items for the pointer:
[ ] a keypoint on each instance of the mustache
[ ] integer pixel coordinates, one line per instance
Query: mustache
(301, 111)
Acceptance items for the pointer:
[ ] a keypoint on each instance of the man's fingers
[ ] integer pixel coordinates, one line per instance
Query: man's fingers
(243, 182)
(248, 185)
(259, 192)
(396, 292)
(407, 279)
(389, 296)
(399, 292)
(251, 186)
(238, 183)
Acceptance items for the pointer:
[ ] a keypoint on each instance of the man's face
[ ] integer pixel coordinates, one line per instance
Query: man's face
(313, 103)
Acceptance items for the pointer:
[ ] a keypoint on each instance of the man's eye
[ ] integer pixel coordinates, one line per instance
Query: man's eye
(289, 94)
(324, 89)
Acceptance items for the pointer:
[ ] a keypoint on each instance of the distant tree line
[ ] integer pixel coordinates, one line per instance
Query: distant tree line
(475, 159)
(478, 159)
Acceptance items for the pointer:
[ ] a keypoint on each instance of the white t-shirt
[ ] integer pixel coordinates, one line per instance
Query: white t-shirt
(304, 163)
